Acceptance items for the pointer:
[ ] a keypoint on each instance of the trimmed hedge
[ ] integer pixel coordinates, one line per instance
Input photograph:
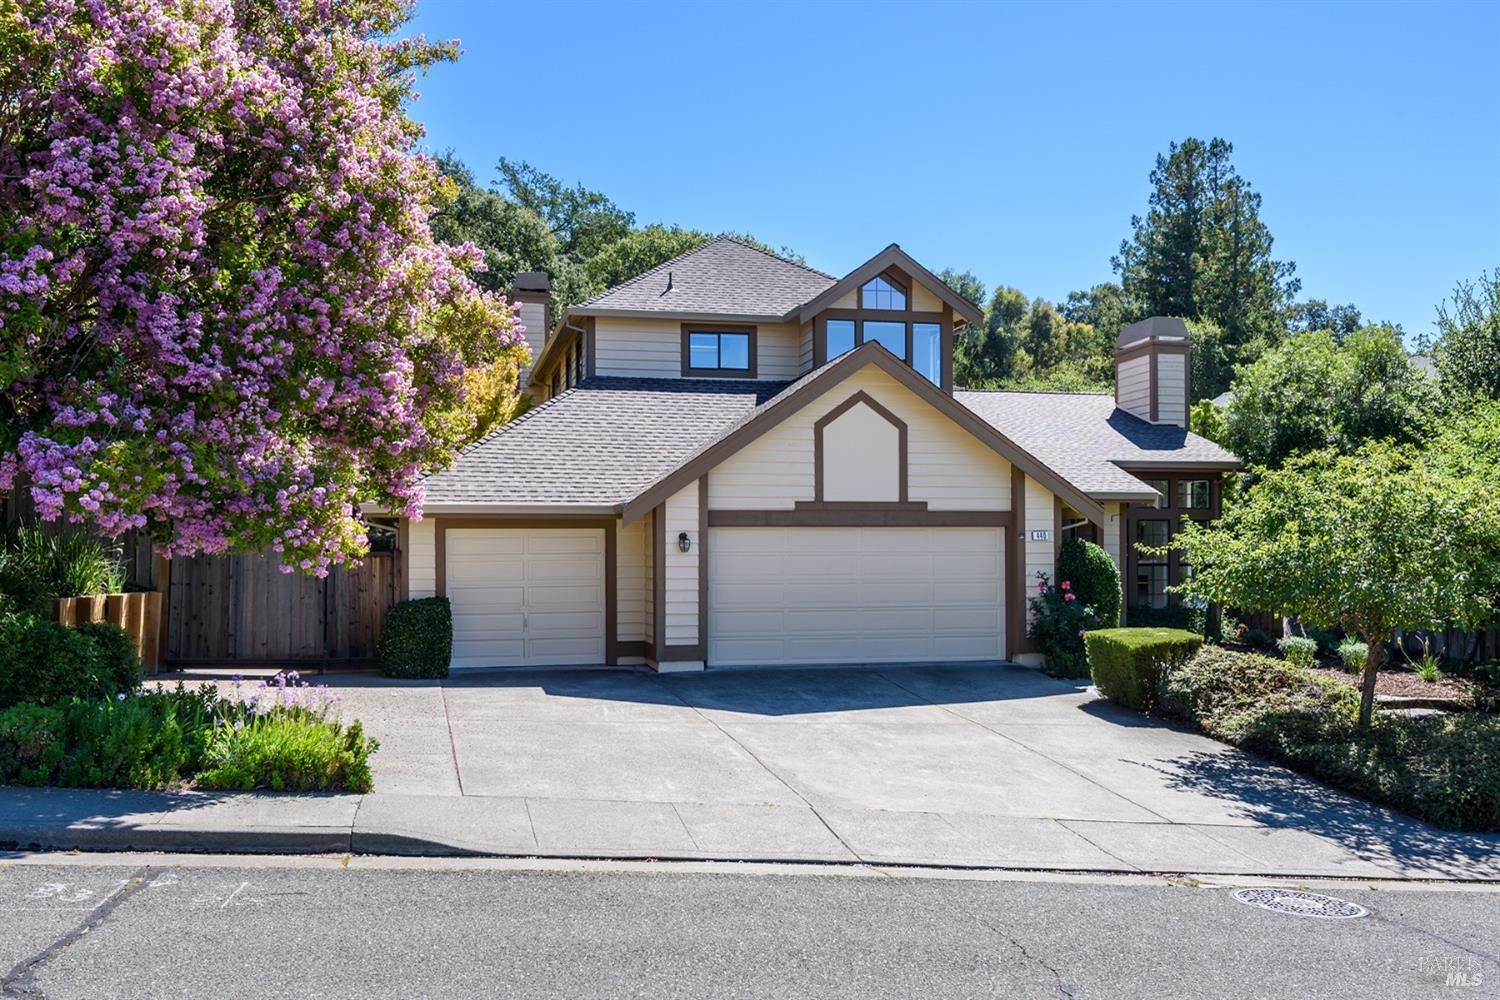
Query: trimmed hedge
(1300, 651)
(43, 661)
(1094, 576)
(417, 639)
(1129, 664)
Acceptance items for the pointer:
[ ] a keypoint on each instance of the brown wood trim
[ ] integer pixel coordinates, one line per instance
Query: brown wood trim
(591, 349)
(888, 315)
(443, 522)
(1145, 347)
(860, 505)
(1015, 630)
(677, 654)
(630, 647)
(891, 256)
(854, 400)
(751, 331)
(870, 517)
(703, 569)
(659, 578)
(945, 372)
(808, 391)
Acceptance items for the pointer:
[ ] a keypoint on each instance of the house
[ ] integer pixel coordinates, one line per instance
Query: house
(737, 460)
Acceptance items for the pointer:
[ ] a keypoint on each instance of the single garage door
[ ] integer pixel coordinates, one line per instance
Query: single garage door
(526, 596)
(855, 595)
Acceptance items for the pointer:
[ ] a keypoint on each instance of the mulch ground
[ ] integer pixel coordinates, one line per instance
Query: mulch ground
(1407, 684)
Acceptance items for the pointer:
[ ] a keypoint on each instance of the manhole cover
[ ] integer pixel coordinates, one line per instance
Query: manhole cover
(1301, 904)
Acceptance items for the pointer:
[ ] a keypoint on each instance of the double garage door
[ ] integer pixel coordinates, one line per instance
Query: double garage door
(860, 595)
(535, 596)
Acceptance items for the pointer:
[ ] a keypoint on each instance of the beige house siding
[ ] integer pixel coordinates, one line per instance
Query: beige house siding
(1113, 528)
(849, 300)
(1041, 515)
(861, 457)
(805, 355)
(681, 587)
(924, 300)
(653, 348)
(947, 467)
(630, 581)
(421, 544)
(1134, 388)
(1171, 389)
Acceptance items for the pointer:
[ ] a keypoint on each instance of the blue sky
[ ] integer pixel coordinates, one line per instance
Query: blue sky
(1011, 140)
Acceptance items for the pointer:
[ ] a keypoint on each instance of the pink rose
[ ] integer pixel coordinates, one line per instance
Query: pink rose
(1066, 585)
(1067, 597)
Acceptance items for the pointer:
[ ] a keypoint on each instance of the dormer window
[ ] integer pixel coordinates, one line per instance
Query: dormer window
(882, 293)
(713, 351)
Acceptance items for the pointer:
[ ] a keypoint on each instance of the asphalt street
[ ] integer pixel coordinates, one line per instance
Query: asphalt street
(123, 926)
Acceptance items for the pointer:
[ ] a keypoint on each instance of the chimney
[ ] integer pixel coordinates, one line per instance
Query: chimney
(1151, 370)
(532, 293)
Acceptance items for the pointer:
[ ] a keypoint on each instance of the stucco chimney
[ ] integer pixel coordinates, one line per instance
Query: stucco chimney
(532, 292)
(1151, 370)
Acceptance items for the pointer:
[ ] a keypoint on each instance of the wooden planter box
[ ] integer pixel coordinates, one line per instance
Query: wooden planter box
(137, 613)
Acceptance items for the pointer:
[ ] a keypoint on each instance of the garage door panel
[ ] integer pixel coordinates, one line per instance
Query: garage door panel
(526, 596)
(844, 595)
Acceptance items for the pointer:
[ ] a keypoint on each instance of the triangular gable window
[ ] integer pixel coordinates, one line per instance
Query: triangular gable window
(882, 293)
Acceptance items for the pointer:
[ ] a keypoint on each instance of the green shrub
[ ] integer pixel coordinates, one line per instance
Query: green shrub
(278, 738)
(43, 661)
(1258, 638)
(1129, 664)
(290, 752)
(1058, 623)
(1094, 577)
(1352, 653)
(38, 566)
(1300, 651)
(417, 639)
(1328, 641)
(121, 664)
(1437, 768)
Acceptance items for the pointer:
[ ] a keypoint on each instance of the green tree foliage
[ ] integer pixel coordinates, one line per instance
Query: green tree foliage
(1202, 252)
(1468, 347)
(1212, 368)
(1316, 314)
(1314, 392)
(986, 354)
(1207, 420)
(584, 221)
(965, 284)
(1102, 307)
(1384, 539)
(639, 251)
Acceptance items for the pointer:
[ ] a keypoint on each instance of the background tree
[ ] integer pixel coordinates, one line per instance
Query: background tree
(226, 320)
(1387, 539)
(1313, 393)
(1468, 347)
(1202, 252)
(1316, 314)
(984, 355)
(965, 284)
(584, 221)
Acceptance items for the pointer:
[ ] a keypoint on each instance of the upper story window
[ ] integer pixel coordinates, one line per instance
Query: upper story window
(927, 351)
(891, 336)
(881, 293)
(1164, 487)
(727, 352)
(1193, 494)
(840, 337)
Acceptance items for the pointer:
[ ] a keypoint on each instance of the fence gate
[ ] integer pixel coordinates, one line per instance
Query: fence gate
(242, 609)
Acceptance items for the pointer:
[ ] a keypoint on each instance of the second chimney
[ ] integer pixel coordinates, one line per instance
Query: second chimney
(1151, 370)
(531, 293)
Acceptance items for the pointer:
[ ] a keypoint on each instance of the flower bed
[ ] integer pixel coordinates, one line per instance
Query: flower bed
(282, 735)
(1439, 768)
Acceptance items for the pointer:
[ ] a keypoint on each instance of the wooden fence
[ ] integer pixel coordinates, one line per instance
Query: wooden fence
(243, 610)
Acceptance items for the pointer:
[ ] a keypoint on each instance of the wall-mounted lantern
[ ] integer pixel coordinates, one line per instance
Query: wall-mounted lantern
(683, 541)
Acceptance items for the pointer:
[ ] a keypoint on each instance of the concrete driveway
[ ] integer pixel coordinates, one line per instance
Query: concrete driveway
(943, 766)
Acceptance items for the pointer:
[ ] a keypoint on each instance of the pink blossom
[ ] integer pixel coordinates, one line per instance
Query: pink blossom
(1066, 585)
(236, 324)
(1069, 597)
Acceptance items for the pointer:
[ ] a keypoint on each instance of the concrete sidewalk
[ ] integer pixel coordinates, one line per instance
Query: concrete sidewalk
(958, 767)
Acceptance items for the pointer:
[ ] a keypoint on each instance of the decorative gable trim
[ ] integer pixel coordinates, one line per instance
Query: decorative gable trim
(860, 398)
(892, 258)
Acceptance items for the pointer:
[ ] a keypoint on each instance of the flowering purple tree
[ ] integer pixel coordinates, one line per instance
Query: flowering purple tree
(223, 318)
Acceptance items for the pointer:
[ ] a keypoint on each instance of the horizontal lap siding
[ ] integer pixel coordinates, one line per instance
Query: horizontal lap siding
(422, 556)
(1134, 392)
(1114, 525)
(1171, 389)
(948, 467)
(653, 348)
(1041, 515)
(681, 587)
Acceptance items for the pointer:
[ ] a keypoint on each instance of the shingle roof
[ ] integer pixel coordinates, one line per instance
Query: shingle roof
(721, 277)
(1082, 436)
(599, 443)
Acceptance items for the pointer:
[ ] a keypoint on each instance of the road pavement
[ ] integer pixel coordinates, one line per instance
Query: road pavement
(138, 926)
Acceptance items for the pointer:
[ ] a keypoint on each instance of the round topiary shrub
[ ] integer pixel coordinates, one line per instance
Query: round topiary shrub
(43, 661)
(1094, 576)
(417, 639)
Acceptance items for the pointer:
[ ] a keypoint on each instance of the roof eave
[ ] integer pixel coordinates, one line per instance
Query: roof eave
(686, 317)
(1204, 465)
(454, 507)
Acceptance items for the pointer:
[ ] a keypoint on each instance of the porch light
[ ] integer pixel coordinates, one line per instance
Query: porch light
(683, 541)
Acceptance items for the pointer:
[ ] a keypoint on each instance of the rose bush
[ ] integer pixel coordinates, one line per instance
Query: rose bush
(1057, 623)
